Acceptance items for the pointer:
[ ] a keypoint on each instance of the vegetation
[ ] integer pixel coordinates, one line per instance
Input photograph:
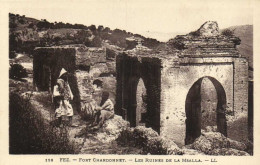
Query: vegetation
(29, 134)
(228, 32)
(27, 33)
(17, 72)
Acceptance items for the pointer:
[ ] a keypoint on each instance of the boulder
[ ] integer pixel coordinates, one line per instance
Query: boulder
(202, 144)
(214, 142)
(171, 147)
(112, 129)
(209, 29)
(237, 145)
(211, 129)
(149, 140)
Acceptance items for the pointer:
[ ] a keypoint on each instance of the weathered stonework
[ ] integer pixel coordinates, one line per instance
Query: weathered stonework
(89, 56)
(173, 81)
(83, 64)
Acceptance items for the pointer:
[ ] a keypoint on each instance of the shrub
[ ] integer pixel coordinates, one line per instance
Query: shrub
(228, 32)
(177, 43)
(195, 33)
(17, 71)
(30, 134)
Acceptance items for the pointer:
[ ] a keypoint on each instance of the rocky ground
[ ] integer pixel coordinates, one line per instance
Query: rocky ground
(116, 137)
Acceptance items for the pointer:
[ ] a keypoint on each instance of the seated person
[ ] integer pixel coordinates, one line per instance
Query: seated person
(105, 111)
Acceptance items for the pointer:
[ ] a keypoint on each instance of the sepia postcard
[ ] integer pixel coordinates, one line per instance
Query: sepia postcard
(129, 82)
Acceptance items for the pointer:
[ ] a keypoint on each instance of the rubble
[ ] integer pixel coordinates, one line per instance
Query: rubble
(214, 143)
(112, 129)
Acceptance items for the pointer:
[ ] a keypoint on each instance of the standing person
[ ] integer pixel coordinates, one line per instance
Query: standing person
(105, 111)
(63, 95)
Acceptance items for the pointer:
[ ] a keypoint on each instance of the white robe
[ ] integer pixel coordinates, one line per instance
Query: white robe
(65, 108)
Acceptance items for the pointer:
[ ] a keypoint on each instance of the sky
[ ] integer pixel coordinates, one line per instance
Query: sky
(159, 19)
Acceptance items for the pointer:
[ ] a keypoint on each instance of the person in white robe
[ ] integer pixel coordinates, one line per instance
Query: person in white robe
(63, 95)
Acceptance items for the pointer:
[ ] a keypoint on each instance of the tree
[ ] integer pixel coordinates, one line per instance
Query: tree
(100, 28)
(92, 28)
(107, 29)
(44, 24)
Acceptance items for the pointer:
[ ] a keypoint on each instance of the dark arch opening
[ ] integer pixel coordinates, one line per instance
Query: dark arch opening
(193, 110)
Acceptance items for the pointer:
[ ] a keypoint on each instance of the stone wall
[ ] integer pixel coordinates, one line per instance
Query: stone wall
(201, 55)
(87, 56)
(85, 65)
(47, 64)
(178, 75)
(239, 122)
(178, 80)
(129, 71)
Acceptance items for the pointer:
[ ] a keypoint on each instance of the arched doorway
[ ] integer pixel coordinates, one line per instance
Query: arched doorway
(193, 109)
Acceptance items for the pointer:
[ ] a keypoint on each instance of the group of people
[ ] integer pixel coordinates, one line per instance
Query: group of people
(62, 97)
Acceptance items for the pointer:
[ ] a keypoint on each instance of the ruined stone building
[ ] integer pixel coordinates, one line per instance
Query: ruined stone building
(172, 78)
(194, 82)
(83, 64)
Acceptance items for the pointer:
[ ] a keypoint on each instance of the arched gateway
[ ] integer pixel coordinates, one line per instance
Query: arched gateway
(172, 76)
(193, 110)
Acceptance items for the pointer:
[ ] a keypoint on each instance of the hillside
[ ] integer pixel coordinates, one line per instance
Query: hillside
(245, 33)
(27, 33)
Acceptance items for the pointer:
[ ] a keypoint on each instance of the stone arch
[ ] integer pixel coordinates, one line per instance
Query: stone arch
(193, 110)
(130, 71)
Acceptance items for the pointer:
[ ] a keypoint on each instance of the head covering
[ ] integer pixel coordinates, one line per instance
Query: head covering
(63, 71)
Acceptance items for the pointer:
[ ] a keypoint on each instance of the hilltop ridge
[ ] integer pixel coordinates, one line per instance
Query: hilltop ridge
(27, 33)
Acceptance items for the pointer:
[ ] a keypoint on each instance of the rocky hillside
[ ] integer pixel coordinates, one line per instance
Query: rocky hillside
(27, 33)
(245, 33)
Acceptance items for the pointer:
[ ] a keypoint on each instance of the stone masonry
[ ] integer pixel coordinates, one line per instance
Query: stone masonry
(173, 76)
(82, 63)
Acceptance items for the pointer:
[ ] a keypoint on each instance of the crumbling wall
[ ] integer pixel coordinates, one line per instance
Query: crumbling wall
(177, 80)
(47, 64)
(201, 54)
(129, 71)
(48, 61)
(84, 65)
(239, 122)
(87, 56)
